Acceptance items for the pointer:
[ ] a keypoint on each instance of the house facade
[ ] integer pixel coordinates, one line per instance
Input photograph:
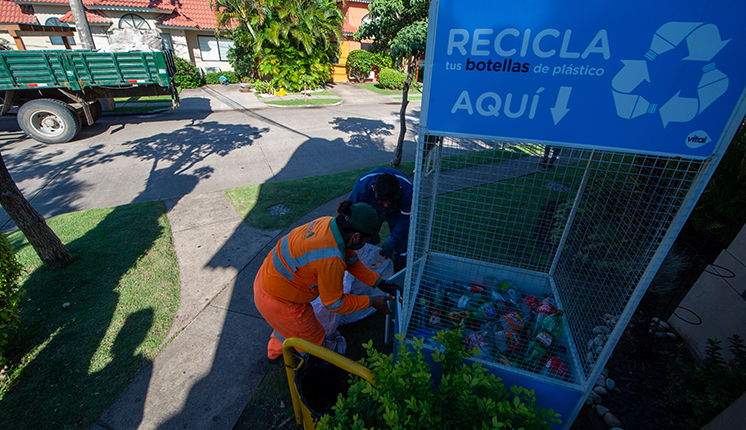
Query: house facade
(186, 26)
(355, 12)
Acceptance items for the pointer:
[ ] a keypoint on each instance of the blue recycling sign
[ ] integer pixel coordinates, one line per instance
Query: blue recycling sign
(645, 76)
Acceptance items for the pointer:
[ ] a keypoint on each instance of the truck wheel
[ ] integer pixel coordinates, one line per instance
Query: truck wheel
(48, 120)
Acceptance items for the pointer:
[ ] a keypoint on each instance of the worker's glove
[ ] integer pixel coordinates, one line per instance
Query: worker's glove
(389, 287)
(387, 250)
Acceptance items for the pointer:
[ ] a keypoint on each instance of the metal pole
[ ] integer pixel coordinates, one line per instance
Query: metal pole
(81, 24)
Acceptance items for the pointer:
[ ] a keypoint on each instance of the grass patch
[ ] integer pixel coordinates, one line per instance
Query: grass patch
(310, 101)
(143, 99)
(300, 195)
(380, 90)
(409, 98)
(68, 363)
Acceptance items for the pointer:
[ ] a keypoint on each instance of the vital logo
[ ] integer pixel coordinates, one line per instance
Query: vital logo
(697, 139)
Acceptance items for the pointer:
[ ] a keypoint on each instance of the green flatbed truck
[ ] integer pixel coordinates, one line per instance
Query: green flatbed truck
(56, 91)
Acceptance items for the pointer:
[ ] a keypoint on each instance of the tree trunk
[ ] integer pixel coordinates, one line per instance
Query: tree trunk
(52, 252)
(403, 116)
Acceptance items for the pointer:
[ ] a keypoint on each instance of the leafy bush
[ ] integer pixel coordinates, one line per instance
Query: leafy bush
(214, 78)
(391, 79)
(382, 60)
(241, 54)
(404, 396)
(360, 63)
(10, 291)
(295, 70)
(721, 210)
(187, 76)
(262, 87)
(699, 391)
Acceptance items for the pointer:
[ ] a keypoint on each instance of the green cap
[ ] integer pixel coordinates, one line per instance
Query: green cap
(364, 219)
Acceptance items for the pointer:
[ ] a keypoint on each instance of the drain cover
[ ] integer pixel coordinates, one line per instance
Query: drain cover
(278, 209)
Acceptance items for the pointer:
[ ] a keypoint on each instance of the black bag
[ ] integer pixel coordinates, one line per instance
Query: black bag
(319, 383)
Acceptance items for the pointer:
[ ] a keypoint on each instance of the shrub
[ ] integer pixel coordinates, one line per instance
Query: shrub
(10, 291)
(262, 87)
(404, 395)
(391, 79)
(187, 76)
(700, 390)
(214, 77)
(241, 54)
(360, 63)
(382, 60)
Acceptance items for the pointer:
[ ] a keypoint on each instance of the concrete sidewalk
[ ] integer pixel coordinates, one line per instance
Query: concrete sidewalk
(208, 372)
(215, 354)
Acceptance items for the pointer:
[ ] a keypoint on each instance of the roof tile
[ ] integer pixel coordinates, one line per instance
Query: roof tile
(11, 13)
(92, 16)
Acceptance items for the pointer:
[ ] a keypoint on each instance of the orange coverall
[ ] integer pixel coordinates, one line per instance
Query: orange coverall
(308, 262)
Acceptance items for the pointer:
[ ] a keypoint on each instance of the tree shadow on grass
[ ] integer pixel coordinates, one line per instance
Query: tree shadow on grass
(81, 327)
(69, 363)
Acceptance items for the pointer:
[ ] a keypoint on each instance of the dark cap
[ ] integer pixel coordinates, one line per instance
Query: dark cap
(364, 219)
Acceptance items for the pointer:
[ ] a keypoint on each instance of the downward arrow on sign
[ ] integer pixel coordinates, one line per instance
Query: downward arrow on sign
(560, 108)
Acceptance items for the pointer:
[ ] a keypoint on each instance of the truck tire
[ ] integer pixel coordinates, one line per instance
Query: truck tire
(49, 120)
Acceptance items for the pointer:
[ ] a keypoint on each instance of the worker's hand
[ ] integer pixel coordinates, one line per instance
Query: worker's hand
(380, 303)
(387, 250)
(389, 287)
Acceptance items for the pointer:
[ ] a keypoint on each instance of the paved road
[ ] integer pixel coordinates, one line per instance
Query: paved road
(218, 139)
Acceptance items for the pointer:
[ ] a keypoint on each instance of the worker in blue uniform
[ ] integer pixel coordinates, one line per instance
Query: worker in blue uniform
(389, 192)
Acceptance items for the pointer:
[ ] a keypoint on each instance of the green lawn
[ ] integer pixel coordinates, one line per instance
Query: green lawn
(300, 195)
(86, 330)
(143, 99)
(380, 90)
(300, 102)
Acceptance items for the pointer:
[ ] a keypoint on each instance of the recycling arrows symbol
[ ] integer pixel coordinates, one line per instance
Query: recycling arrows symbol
(703, 41)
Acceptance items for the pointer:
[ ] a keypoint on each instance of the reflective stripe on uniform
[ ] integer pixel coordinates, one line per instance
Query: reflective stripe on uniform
(293, 263)
(352, 260)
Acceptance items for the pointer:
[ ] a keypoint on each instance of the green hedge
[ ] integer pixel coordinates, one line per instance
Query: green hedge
(360, 63)
(187, 76)
(391, 79)
(214, 78)
(10, 292)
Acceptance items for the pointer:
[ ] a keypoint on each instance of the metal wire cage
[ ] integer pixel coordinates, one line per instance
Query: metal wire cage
(504, 234)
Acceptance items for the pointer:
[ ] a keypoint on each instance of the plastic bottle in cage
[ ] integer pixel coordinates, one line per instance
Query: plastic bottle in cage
(439, 293)
(478, 339)
(511, 321)
(507, 341)
(487, 311)
(549, 330)
(555, 365)
(546, 308)
(423, 310)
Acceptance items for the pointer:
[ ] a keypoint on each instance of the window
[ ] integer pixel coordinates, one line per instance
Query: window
(133, 21)
(57, 40)
(167, 42)
(213, 49)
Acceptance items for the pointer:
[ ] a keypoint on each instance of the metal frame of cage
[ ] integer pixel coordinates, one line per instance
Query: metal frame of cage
(591, 231)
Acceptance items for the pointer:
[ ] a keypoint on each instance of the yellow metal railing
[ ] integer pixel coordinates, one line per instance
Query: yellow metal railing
(302, 414)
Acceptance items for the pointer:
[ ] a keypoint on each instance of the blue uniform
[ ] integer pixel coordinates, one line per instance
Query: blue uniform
(396, 215)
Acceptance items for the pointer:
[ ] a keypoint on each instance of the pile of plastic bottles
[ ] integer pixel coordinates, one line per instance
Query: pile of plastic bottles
(505, 325)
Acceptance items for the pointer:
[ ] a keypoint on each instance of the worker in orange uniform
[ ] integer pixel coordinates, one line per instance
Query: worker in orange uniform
(309, 262)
